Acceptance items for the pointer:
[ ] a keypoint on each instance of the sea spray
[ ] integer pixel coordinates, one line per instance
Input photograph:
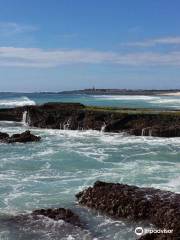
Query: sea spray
(67, 125)
(24, 118)
(146, 132)
(16, 102)
(103, 127)
(143, 132)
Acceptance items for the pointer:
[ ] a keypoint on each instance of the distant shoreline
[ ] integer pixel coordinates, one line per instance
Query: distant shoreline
(152, 92)
(170, 92)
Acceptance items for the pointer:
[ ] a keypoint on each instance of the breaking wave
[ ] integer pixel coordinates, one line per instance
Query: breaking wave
(16, 102)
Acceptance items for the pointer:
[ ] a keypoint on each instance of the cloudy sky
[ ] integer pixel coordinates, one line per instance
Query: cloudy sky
(53, 45)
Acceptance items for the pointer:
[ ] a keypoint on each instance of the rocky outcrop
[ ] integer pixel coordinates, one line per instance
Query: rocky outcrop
(161, 208)
(66, 116)
(59, 214)
(75, 116)
(80, 117)
(154, 124)
(3, 136)
(11, 114)
(21, 138)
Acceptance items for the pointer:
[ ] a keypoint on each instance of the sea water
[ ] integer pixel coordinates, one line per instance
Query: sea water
(129, 101)
(49, 174)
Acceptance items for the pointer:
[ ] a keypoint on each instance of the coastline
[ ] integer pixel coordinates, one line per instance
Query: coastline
(170, 94)
(138, 92)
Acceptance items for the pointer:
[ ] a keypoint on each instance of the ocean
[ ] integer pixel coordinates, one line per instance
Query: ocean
(125, 101)
(49, 173)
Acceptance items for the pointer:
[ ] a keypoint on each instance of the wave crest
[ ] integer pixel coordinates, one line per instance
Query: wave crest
(16, 102)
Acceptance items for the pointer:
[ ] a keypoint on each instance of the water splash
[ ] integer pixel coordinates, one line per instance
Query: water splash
(143, 132)
(67, 124)
(146, 132)
(103, 127)
(150, 132)
(16, 102)
(24, 118)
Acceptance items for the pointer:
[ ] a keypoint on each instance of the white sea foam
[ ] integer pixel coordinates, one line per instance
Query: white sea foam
(50, 173)
(174, 183)
(166, 100)
(48, 151)
(173, 102)
(16, 102)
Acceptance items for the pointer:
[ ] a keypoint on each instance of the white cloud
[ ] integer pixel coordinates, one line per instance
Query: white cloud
(39, 57)
(36, 57)
(155, 41)
(11, 28)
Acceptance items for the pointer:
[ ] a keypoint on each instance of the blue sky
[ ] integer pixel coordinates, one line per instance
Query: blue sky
(53, 45)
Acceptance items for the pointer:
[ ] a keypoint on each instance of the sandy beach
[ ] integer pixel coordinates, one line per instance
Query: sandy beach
(170, 94)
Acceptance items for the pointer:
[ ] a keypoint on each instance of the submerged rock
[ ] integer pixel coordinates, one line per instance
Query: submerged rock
(59, 214)
(54, 223)
(161, 208)
(22, 137)
(54, 214)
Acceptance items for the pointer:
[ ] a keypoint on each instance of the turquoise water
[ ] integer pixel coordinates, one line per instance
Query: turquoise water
(19, 99)
(50, 173)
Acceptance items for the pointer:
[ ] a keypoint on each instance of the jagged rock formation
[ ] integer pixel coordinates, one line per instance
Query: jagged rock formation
(22, 137)
(161, 208)
(75, 116)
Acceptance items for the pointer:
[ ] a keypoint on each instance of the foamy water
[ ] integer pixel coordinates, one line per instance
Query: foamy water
(143, 101)
(50, 173)
(16, 102)
(131, 101)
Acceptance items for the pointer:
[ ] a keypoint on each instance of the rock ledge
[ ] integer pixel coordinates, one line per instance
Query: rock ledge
(161, 208)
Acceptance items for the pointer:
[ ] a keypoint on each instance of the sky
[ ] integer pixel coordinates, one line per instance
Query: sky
(54, 45)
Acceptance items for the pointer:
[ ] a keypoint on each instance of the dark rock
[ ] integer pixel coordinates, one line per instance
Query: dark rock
(154, 236)
(22, 137)
(59, 214)
(157, 131)
(75, 116)
(45, 221)
(11, 114)
(161, 208)
(149, 237)
(3, 136)
(61, 105)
